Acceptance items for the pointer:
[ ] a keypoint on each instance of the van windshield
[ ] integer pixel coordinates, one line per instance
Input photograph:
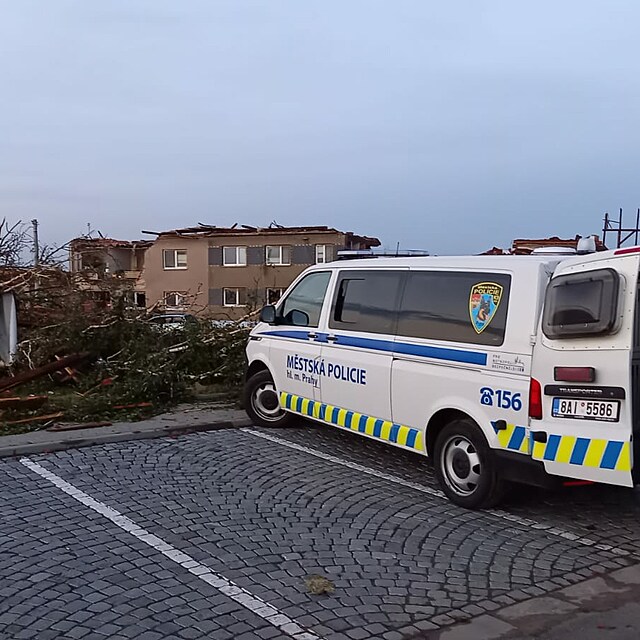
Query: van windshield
(307, 296)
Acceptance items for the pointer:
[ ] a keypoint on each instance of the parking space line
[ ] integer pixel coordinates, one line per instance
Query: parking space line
(243, 597)
(436, 493)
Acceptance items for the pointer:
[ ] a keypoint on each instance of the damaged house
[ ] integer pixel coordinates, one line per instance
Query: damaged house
(227, 272)
(104, 267)
(218, 272)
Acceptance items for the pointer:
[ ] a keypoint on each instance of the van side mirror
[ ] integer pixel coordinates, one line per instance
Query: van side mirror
(268, 314)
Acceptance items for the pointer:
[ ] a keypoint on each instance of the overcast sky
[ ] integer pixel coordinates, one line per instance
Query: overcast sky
(445, 126)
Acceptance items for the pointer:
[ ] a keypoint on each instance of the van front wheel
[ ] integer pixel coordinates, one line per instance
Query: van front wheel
(465, 466)
(261, 402)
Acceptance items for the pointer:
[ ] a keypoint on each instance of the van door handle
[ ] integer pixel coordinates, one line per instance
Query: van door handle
(539, 436)
(332, 338)
(312, 336)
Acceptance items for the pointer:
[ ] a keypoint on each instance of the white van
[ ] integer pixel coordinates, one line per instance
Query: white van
(499, 368)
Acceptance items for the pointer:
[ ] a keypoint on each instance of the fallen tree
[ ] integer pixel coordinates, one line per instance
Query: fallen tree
(110, 361)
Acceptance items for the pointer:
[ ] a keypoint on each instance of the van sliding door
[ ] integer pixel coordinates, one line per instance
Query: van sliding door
(356, 358)
(451, 324)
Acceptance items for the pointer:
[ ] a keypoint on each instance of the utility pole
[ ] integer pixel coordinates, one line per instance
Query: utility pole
(36, 244)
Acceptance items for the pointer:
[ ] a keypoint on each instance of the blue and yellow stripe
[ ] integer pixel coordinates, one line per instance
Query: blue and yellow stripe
(513, 438)
(614, 455)
(586, 452)
(383, 430)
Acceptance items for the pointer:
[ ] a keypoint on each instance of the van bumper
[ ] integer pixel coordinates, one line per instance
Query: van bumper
(519, 467)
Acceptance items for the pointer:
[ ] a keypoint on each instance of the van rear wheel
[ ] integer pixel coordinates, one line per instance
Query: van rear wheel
(261, 402)
(465, 466)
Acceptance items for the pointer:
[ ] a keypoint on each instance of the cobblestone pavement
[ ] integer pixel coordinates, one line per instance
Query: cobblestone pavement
(212, 536)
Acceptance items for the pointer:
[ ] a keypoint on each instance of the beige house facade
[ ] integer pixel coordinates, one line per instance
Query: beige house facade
(231, 272)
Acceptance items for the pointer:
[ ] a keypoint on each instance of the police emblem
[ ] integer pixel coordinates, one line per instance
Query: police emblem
(484, 300)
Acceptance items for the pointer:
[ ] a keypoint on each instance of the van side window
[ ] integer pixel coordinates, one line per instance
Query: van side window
(581, 304)
(366, 301)
(307, 296)
(455, 306)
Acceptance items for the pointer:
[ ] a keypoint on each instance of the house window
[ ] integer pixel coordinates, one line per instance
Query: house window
(234, 256)
(233, 297)
(273, 295)
(278, 255)
(174, 258)
(175, 299)
(322, 253)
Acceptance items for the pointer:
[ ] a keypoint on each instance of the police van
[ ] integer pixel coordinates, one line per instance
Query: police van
(498, 368)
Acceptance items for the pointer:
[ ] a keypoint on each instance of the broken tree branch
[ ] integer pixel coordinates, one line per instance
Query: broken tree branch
(51, 367)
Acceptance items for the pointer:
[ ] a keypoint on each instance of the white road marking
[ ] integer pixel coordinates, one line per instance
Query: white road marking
(243, 597)
(436, 493)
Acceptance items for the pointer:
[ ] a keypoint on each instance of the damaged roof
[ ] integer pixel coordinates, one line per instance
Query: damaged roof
(522, 245)
(206, 231)
(108, 243)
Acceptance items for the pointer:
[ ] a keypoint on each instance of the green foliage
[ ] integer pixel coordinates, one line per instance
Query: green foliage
(132, 361)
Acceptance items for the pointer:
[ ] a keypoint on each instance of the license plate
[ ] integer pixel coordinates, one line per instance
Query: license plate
(604, 410)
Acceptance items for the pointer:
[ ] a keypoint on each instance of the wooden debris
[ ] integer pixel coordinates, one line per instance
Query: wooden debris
(71, 427)
(34, 374)
(28, 403)
(135, 405)
(51, 416)
(103, 383)
(68, 373)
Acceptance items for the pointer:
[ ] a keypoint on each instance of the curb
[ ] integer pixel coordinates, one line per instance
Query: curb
(556, 614)
(97, 436)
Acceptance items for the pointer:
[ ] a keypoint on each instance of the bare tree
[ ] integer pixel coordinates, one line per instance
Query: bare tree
(53, 255)
(14, 241)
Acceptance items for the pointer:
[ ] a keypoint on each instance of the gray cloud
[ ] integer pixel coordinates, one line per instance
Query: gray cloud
(445, 126)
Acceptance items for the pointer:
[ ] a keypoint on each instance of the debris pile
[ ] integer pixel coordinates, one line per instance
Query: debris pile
(79, 364)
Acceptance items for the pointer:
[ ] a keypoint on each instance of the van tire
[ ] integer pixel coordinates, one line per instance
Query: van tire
(261, 402)
(465, 466)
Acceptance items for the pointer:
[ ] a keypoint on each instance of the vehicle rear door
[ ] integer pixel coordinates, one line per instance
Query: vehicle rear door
(583, 361)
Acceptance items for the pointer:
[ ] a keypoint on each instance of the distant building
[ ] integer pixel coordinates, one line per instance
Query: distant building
(228, 272)
(522, 246)
(206, 270)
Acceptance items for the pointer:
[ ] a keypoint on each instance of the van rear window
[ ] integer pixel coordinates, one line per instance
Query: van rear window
(455, 306)
(581, 304)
